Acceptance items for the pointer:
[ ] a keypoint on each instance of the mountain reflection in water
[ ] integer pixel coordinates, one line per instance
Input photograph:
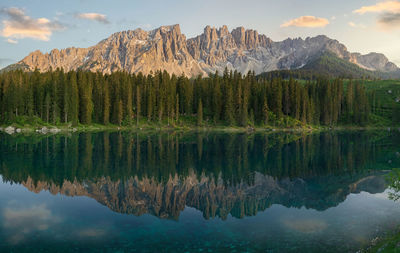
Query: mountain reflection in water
(217, 174)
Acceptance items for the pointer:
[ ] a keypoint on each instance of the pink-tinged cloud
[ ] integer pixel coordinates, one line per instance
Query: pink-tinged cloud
(389, 14)
(307, 21)
(354, 25)
(388, 6)
(18, 26)
(93, 16)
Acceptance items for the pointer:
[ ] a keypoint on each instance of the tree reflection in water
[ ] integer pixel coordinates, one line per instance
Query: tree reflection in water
(394, 184)
(218, 174)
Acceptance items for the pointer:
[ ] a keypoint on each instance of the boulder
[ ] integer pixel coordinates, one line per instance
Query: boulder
(54, 130)
(9, 130)
(44, 130)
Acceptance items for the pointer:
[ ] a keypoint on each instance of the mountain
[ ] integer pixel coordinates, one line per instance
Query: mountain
(166, 48)
(327, 64)
(214, 198)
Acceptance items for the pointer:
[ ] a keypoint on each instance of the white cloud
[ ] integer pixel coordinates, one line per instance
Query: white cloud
(354, 25)
(21, 223)
(307, 21)
(18, 26)
(388, 6)
(145, 26)
(93, 16)
(11, 41)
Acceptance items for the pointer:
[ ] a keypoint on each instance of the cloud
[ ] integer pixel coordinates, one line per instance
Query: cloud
(388, 6)
(390, 20)
(23, 223)
(389, 11)
(19, 26)
(93, 16)
(145, 26)
(306, 21)
(354, 25)
(11, 41)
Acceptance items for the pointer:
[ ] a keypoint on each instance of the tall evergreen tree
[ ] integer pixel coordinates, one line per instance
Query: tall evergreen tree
(106, 104)
(200, 114)
(138, 105)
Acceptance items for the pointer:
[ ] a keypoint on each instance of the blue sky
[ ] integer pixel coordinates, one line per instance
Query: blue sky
(362, 25)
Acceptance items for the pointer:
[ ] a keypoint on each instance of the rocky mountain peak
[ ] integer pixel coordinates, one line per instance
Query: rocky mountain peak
(166, 48)
(223, 31)
(376, 61)
(239, 35)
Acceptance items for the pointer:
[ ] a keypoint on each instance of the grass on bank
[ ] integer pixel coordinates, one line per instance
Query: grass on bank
(30, 124)
(387, 244)
(390, 242)
(188, 123)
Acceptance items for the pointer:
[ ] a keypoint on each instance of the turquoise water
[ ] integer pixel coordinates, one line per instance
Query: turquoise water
(196, 192)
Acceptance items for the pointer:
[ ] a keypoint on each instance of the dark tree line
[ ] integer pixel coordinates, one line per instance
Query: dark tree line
(228, 99)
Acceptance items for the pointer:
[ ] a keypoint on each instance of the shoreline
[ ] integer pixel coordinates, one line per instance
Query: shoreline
(55, 129)
(388, 242)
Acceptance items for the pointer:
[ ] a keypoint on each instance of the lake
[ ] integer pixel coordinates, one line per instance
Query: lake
(197, 192)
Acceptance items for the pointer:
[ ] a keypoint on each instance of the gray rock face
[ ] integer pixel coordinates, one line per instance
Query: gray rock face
(375, 61)
(166, 48)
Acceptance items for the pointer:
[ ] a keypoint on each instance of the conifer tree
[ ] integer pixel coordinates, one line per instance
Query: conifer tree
(177, 108)
(229, 117)
(265, 112)
(74, 99)
(106, 104)
(138, 105)
(200, 114)
(120, 112)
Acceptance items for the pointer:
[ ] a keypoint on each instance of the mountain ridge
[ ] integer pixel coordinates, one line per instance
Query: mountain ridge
(166, 48)
(211, 196)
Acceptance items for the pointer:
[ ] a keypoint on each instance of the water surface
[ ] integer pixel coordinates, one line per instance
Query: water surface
(196, 192)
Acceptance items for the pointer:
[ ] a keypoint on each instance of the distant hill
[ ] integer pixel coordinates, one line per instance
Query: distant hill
(16, 66)
(329, 65)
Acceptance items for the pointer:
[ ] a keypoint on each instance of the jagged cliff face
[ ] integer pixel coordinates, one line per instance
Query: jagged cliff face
(132, 51)
(166, 48)
(212, 197)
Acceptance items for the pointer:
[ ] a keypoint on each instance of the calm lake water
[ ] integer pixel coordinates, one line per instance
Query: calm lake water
(196, 192)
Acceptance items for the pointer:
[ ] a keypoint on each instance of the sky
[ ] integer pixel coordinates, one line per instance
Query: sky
(362, 25)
